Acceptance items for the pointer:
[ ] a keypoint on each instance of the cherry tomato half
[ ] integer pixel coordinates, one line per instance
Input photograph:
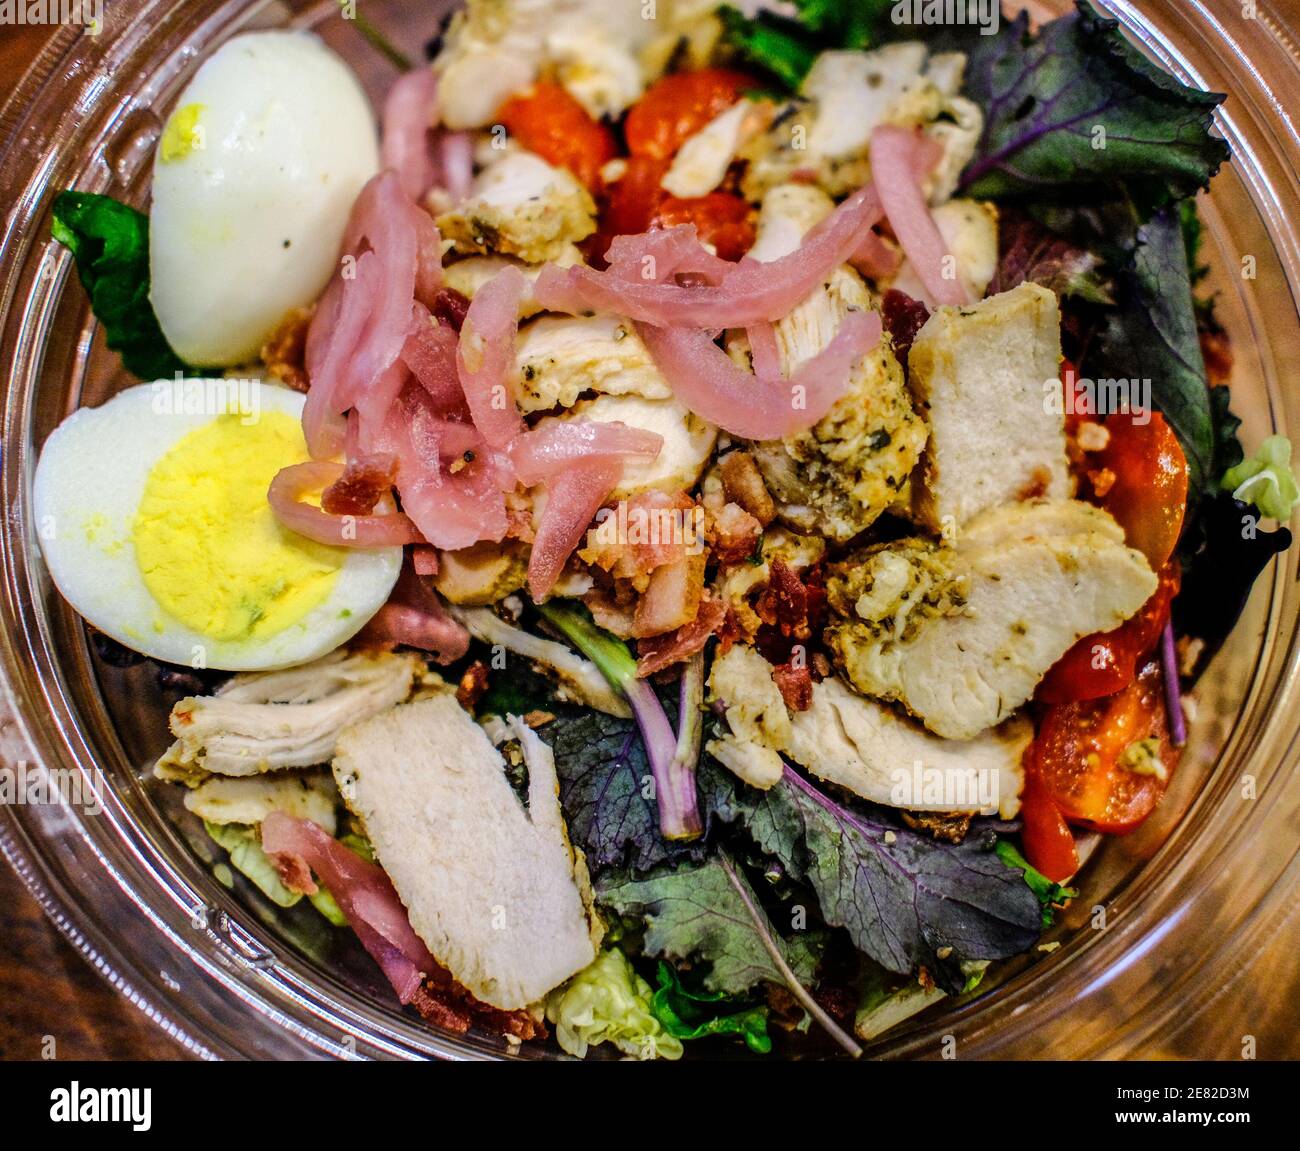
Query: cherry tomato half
(1105, 662)
(1080, 750)
(677, 106)
(1048, 842)
(1148, 491)
(545, 119)
(722, 219)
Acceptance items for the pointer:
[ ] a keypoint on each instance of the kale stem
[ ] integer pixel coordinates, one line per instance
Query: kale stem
(674, 777)
(797, 989)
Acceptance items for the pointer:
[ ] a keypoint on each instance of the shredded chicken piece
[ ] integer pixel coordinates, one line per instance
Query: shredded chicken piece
(282, 719)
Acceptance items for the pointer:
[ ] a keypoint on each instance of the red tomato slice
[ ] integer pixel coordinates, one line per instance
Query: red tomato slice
(547, 120)
(1079, 748)
(1048, 843)
(678, 106)
(1105, 662)
(722, 219)
(1148, 491)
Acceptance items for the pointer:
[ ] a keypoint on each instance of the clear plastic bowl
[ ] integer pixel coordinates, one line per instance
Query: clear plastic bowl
(1190, 900)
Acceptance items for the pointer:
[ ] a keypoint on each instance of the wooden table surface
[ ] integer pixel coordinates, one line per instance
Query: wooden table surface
(47, 991)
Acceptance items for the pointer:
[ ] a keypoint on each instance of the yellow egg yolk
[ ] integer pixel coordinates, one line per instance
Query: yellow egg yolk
(211, 551)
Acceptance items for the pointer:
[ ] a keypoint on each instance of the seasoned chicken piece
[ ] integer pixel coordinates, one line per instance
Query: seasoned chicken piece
(961, 635)
(521, 206)
(560, 357)
(837, 477)
(481, 574)
(844, 97)
(495, 48)
(887, 758)
(702, 161)
(467, 275)
(273, 720)
(688, 440)
(489, 885)
(741, 680)
(984, 376)
(970, 230)
(306, 794)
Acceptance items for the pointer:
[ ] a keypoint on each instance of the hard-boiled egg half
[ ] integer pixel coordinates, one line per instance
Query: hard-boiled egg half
(153, 518)
(254, 178)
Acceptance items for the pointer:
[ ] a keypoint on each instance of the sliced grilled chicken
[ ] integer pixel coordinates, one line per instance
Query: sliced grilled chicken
(960, 636)
(489, 885)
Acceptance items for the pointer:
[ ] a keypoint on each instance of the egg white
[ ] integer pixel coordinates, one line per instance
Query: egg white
(247, 224)
(88, 485)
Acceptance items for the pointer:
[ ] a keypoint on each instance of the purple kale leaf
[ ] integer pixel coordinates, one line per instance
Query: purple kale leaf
(1078, 105)
(904, 898)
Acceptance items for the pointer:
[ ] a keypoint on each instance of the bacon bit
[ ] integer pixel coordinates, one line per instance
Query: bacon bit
(795, 684)
(784, 603)
(472, 685)
(821, 666)
(424, 560)
(731, 632)
(672, 597)
(453, 1008)
(644, 533)
(536, 719)
(904, 317)
(294, 873)
(285, 351)
(663, 651)
(362, 485)
(450, 307)
(946, 826)
(1102, 480)
(925, 979)
(744, 485)
(734, 534)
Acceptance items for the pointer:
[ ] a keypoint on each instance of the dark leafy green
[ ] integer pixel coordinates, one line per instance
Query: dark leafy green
(1153, 335)
(110, 242)
(1045, 96)
(1225, 550)
(1028, 252)
(904, 899)
(687, 1014)
(785, 48)
(695, 913)
(606, 793)
(1050, 894)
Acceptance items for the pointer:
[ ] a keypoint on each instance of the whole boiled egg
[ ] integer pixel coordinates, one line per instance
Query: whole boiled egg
(254, 179)
(152, 515)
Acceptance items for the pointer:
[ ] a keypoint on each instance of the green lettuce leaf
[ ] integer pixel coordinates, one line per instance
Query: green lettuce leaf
(904, 898)
(110, 242)
(1044, 97)
(608, 1002)
(248, 858)
(1266, 480)
(696, 913)
(1049, 893)
(688, 1014)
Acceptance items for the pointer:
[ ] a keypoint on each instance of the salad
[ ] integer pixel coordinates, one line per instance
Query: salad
(688, 526)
